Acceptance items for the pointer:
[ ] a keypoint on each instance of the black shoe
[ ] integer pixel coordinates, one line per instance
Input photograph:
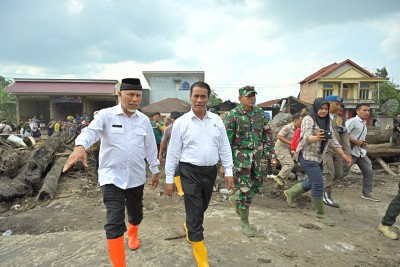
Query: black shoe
(328, 200)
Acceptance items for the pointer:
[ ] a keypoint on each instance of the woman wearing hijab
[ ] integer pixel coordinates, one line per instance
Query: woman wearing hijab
(314, 140)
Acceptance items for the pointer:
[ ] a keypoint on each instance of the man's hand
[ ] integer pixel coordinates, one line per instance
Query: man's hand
(169, 189)
(161, 158)
(154, 181)
(229, 182)
(363, 144)
(79, 153)
(348, 159)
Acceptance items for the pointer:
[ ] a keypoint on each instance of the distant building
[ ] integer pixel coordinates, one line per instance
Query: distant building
(171, 84)
(347, 79)
(58, 98)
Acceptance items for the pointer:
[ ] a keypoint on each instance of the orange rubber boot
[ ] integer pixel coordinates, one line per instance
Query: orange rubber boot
(116, 250)
(133, 239)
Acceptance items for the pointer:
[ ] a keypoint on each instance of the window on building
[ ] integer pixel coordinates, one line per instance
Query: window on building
(327, 89)
(328, 86)
(364, 93)
(364, 86)
(327, 92)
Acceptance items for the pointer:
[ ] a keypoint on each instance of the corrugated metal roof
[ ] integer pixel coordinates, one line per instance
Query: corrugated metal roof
(268, 103)
(166, 106)
(64, 87)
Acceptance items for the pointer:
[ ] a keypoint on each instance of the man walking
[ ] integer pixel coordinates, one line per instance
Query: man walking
(282, 150)
(251, 140)
(357, 131)
(157, 125)
(164, 147)
(127, 140)
(198, 142)
(333, 162)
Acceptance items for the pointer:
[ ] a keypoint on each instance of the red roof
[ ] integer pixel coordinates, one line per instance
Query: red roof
(328, 69)
(62, 86)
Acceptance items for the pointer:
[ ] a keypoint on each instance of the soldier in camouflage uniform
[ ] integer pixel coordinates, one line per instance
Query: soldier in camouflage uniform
(250, 138)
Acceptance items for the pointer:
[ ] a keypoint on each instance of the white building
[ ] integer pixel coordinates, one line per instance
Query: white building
(171, 84)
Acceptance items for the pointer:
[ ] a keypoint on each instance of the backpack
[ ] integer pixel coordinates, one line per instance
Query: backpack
(295, 140)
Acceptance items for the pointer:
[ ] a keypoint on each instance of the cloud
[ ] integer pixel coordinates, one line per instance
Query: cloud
(271, 44)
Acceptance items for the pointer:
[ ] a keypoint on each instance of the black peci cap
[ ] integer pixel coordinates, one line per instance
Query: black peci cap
(130, 84)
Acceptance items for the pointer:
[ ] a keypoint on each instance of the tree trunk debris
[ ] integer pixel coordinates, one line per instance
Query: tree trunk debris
(49, 187)
(385, 167)
(28, 177)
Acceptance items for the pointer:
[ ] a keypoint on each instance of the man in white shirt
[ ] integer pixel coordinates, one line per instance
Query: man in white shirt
(198, 142)
(127, 140)
(5, 128)
(357, 131)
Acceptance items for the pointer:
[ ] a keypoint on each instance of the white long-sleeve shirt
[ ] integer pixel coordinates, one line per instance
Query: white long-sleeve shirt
(199, 142)
(125, 143)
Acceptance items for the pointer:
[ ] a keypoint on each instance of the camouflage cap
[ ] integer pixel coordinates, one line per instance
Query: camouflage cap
(247, 90)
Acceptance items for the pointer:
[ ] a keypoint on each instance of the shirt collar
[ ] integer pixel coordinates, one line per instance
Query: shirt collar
(241, 111)
(118, 110)
(192, 115)
(360, 118)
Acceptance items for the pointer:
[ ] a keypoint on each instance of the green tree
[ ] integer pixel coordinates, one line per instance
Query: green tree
(214, 99)
(382, 72)
(388, 90)
(7, 101)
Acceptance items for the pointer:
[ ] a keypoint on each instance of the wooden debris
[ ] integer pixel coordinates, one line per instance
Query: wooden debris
(378, 136)
(49, 187)
(28, 177)
(385, 167)
(383, 150)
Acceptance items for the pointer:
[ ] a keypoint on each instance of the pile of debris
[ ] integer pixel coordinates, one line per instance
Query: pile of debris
(30, 171)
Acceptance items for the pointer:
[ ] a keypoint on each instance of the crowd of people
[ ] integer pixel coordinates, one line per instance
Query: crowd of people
(195, 146)
(34, 127)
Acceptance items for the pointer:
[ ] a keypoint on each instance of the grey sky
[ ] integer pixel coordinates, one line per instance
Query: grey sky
(271, 44)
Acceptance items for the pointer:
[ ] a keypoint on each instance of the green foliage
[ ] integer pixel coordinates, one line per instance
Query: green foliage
(7, 101)
(388, 90)
(382, 72)
(214, 99)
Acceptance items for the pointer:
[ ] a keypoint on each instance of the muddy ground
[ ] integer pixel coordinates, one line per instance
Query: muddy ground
(68, 230)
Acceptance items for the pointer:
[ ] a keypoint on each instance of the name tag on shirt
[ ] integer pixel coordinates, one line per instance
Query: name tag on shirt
(117, 126)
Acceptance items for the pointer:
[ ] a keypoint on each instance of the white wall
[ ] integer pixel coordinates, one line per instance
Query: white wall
(165, 87)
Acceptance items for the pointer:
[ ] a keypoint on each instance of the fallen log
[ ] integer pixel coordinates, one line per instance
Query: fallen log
(49, 187)
(385, 167)
(378, 136)
(32, 171)
(12, 188)
(28, 175)
(383, 150)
